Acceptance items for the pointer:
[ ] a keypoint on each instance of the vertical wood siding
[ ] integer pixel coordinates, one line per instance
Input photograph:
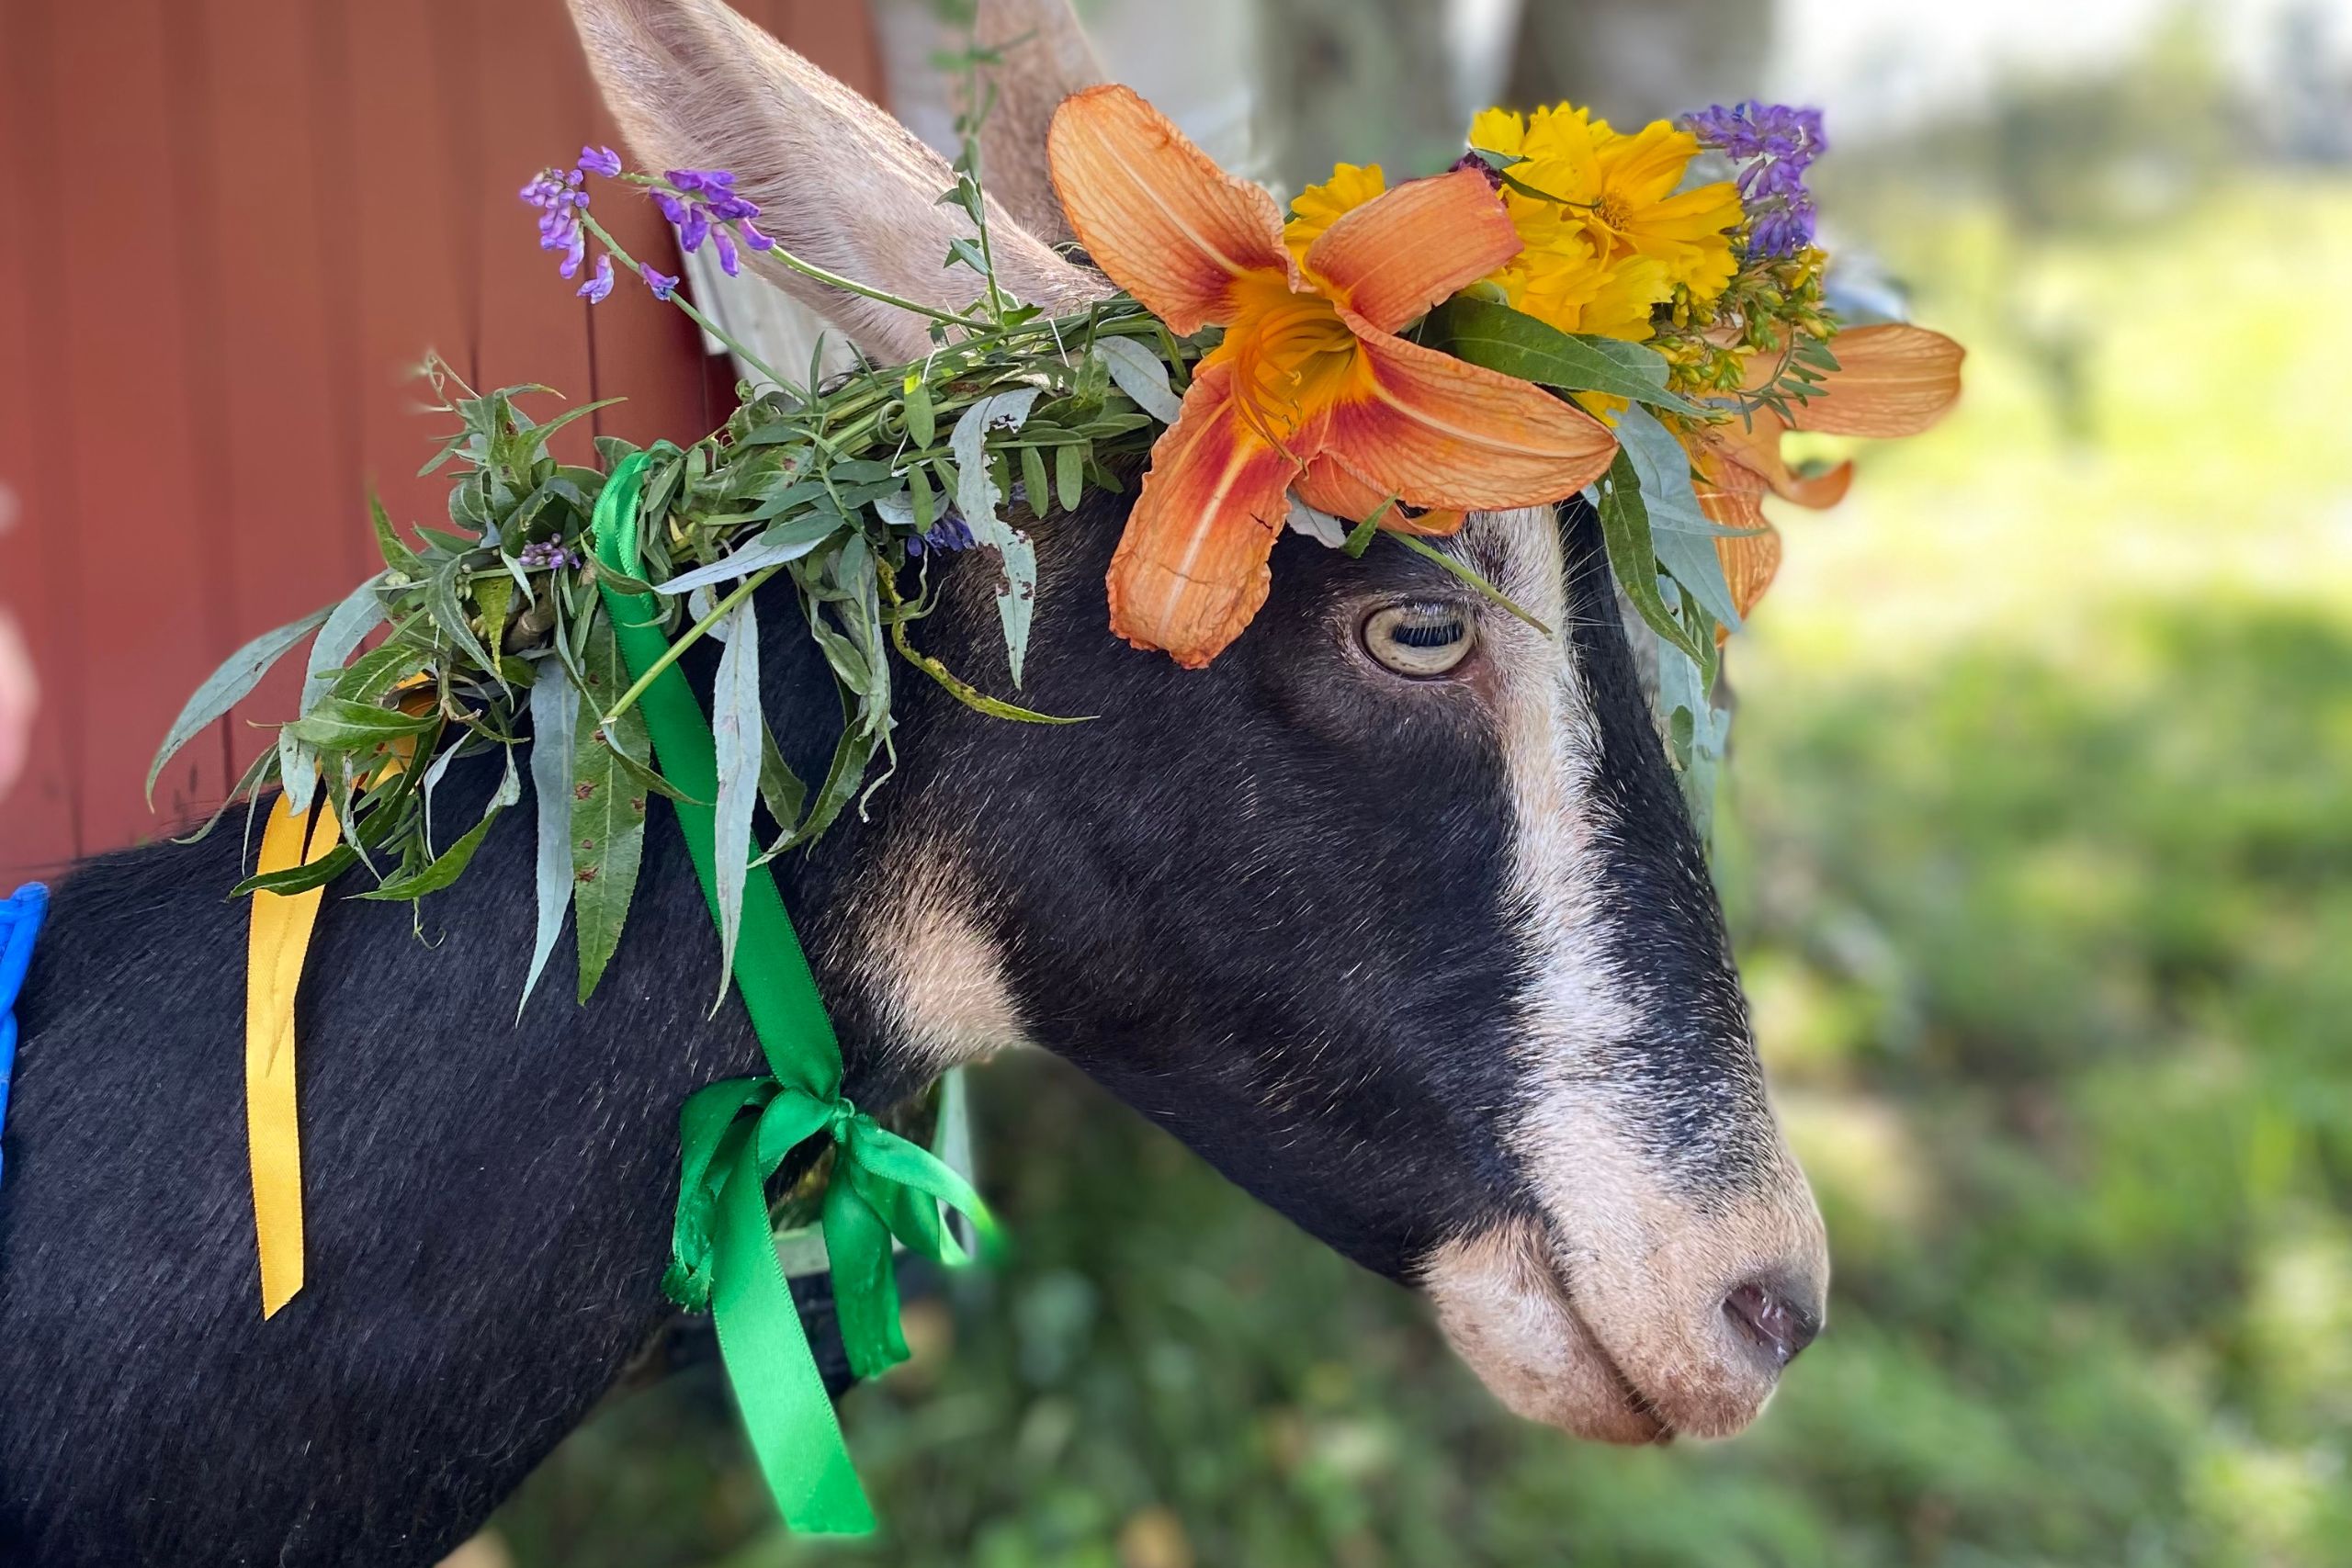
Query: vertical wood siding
(228, 230)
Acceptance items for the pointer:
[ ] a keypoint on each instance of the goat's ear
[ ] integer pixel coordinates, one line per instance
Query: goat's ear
(1045, 58)
(840, 183)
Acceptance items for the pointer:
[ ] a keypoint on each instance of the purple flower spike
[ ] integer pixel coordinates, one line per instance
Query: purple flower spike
(600, 160)
(692, 232)
(724, 243)
(597, 287)
(574, 255)
(754, 238)
(661, 282)
(671, 208)
(1775, 143)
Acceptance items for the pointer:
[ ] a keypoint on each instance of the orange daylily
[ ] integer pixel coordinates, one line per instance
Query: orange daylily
(1892, 380)
(1311, 389)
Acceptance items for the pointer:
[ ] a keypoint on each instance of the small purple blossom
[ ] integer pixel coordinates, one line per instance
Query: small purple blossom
(947, 536)
(601, 284)
(548, 555)
(600, 160)
(1775, 143)
(661, 282)
(710, 209)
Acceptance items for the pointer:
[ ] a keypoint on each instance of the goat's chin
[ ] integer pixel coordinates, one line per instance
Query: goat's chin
(1508, 1315)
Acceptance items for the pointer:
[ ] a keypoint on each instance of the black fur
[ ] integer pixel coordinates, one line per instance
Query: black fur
(1263, 903)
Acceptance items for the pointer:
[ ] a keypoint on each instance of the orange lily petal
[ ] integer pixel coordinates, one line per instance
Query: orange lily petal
(1892, 380)
(1437, 431)
(1750, 562)
(1190, 569)
(1330, 485)
(1756, 448)
(1399, 254)
(1154, 212)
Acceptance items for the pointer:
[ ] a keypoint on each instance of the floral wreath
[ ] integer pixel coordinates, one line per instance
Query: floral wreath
(1562, 311)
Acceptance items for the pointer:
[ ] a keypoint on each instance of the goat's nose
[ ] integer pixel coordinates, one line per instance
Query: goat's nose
(1766, 1313)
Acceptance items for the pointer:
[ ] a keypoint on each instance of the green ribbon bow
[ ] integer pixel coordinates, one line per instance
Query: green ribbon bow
(733, 1135)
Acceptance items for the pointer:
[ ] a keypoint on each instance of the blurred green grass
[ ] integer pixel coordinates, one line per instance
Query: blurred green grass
(2039, 859)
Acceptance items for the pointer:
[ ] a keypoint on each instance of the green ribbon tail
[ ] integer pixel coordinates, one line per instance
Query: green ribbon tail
(790, 1418)
(865, 1281)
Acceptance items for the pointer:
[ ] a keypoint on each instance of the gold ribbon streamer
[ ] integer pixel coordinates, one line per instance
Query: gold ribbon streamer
(279, 940)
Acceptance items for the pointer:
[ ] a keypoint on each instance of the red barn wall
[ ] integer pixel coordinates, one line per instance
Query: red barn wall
(227, 229)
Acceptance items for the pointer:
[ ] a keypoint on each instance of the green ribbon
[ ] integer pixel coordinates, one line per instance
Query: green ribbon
(733, 1135)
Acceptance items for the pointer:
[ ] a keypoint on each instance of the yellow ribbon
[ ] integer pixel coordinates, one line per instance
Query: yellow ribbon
(279, 940)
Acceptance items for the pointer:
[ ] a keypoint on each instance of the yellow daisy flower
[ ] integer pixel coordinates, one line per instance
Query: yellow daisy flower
(1620, 190)
(1320, 206)
(1562, 278)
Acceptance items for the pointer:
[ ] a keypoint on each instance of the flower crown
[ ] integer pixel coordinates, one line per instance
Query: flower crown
(1563, 310)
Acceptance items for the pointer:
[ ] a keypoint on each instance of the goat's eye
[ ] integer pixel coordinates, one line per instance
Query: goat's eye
(1422, 638)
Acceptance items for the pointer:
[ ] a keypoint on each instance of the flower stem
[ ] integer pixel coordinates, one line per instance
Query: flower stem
(684, 640)
(606, 238)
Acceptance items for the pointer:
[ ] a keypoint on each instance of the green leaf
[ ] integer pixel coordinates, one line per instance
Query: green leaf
(493, 595)
(977, 498)
(1069, 476)
(450, 864)
(338, 724)
(1360, 537)
(922, 423)
(398, 556)
(1142, 375)
(780, 788)
(1033, 482)
(785, 542)
(300, 878)
(238, 674)
(1680, 531)
(448, 613)
(736, 726)
(1625, 529)
(967, 693)
(607, 816)
(1516, 343)
(919, 502)
(361, 612)
(554, 706)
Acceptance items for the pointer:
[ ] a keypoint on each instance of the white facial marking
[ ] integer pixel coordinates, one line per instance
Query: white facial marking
(1621, 1287)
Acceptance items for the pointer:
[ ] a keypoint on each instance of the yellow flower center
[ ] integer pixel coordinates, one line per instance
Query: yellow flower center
(1291, 355)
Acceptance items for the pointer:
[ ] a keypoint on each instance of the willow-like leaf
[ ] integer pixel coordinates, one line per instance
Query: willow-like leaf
(1514, 343)
(978, 497)
(1141, 374)
(736, 726)
(1625, 530)
(607, 818)
(238, 674)
(554, 705)
(785, 542)
(450, 864)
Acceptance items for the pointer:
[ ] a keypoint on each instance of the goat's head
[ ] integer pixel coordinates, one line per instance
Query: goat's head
(1393, 913)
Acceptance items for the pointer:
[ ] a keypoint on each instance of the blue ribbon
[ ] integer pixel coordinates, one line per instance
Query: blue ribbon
(19, 923)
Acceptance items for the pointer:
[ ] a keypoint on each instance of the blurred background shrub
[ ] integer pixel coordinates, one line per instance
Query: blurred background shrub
(2037, 845)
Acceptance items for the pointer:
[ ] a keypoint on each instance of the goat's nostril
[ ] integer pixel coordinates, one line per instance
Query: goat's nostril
(1771, 1319)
